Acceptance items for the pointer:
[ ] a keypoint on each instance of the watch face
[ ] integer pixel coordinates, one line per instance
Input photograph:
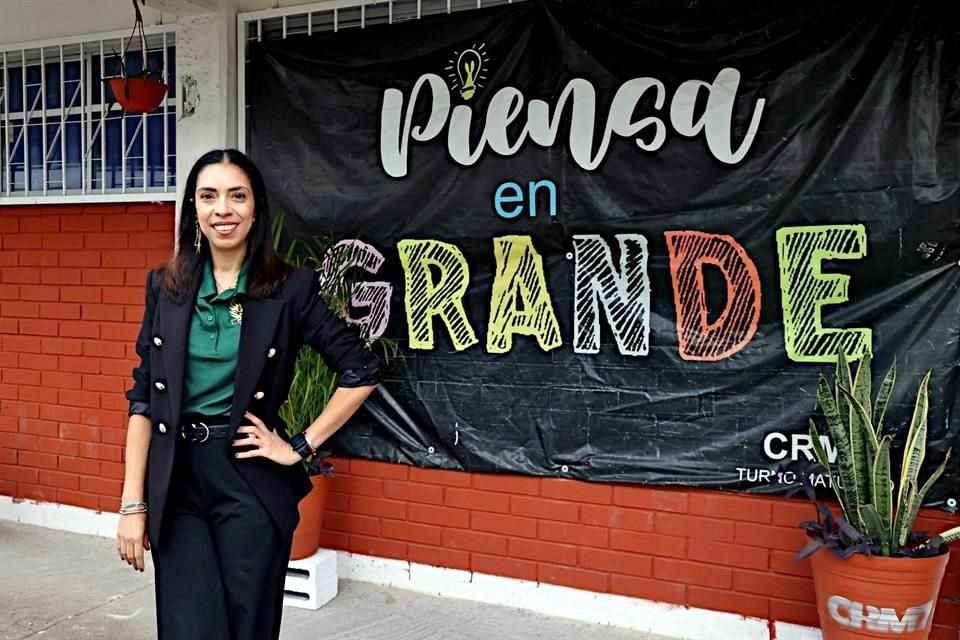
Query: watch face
(299, 443)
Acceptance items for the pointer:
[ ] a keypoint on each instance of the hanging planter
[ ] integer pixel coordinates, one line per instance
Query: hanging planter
(142, 92)
(137, 94)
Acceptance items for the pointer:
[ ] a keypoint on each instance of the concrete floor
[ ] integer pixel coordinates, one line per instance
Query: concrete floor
(64, 586)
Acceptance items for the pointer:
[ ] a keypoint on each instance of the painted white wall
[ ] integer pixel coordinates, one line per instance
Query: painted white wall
(206, 68)
(29, 20)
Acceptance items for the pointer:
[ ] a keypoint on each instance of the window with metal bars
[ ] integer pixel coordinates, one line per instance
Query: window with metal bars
(63, 138)
(275, 24)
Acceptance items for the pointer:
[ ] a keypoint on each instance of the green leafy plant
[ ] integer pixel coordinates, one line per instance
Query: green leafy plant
(878, 514)
(313, 381)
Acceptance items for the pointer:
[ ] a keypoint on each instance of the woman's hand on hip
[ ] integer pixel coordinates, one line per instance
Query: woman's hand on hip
(265, 442)
(132, 539)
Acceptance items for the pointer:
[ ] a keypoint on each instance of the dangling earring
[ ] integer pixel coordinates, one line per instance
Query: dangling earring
(196, 243)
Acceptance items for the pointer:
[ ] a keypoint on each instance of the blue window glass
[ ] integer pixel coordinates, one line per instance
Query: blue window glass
(96, 86)
(111, 67)
(134, 145)
(33, 87)
(172, 151)
(15, 80)
(155, 150)
(113, 129)
(54, 156)
(74, 133)
(54, 149)
(133, 63)
(171, 72)
(35, 146)
(51, 85)
(71, 85)
(71, 71)
(16, 154)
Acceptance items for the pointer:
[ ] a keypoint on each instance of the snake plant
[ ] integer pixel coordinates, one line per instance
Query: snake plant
(879, 512)
(313, 381)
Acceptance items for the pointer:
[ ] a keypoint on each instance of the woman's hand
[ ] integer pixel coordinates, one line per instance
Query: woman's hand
(267, 444)
(132, 539)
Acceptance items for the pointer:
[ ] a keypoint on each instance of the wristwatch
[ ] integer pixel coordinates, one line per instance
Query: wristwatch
(301, 445)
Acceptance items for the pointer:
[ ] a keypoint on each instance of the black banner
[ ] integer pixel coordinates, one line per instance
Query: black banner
(621, 243)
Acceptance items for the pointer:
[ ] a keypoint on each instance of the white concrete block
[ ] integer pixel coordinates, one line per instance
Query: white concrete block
(311, 582)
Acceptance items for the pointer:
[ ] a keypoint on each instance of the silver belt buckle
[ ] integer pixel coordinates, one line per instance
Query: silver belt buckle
(206, 435)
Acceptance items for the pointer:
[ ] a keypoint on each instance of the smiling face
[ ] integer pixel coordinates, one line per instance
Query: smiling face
(225, 207)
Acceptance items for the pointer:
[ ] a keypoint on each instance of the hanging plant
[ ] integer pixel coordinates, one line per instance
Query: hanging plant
(141, 92)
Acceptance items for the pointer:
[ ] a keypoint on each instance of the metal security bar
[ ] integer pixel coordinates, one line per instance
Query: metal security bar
(334, 15)
(62, 137)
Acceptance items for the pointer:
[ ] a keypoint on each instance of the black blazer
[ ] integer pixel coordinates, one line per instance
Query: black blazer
(271, 334)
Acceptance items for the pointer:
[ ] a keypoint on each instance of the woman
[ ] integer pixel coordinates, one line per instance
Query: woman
(211, 483)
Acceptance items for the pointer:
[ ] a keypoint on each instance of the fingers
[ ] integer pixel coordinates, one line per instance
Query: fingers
(261, 441)
(121, 546)
(138, 563)
(251, 443)
(126, 551)
(252, 438)
(255, 420)
(131, 542)
(131, 552)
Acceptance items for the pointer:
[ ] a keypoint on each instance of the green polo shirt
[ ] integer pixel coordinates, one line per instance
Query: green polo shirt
(213, 345)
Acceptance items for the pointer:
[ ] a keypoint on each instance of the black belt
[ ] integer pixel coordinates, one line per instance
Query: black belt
(201, 431)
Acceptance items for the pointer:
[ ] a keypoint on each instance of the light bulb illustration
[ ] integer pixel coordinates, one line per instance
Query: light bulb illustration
(466, 70)
(469, 64)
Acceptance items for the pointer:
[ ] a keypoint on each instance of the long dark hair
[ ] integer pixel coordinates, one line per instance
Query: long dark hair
(266, 271)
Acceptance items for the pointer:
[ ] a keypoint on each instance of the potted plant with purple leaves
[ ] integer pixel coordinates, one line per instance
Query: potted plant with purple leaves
(873, 573)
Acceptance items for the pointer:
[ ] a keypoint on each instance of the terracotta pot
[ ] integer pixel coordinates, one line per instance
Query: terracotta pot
(306, 537)
(873, 597)
(137, 95)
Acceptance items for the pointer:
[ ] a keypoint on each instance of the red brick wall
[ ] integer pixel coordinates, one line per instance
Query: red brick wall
(704, 549)
(71, 290)
(71, 300)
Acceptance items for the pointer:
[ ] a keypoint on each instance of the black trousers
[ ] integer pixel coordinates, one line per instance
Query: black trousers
(222, 564)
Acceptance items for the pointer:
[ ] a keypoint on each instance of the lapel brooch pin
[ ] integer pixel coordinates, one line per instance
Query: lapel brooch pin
(236, 313)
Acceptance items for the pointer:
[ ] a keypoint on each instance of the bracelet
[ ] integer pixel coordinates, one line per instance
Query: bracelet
(130, 508)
